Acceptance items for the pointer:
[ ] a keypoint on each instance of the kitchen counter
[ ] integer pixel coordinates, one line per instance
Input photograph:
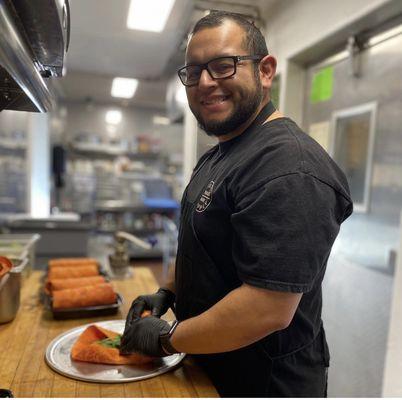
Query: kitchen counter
(24, 340)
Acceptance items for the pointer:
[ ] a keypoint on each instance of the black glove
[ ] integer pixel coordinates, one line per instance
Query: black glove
(143, 337)
(158, 303)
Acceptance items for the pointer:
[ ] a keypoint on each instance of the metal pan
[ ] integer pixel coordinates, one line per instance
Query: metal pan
(58, 358)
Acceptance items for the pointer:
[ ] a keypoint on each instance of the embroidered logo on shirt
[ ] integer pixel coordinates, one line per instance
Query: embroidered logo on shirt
(206, 198)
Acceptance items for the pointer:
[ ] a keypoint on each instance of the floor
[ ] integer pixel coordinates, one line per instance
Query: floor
(356, 312)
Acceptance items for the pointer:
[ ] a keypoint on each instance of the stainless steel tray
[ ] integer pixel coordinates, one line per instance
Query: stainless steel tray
(58, 358)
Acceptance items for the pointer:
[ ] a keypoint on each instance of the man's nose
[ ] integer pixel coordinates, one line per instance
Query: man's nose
(206, 80)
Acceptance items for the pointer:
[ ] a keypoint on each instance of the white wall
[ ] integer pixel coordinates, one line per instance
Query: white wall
(392, 384)
(294, 25)
(38, 165)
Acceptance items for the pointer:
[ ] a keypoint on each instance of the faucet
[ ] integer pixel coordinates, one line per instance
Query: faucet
(120, 260)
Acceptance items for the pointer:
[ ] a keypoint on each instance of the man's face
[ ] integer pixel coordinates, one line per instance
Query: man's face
(221, 106)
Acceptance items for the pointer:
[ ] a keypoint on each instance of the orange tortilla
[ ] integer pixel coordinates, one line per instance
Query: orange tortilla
(85, 296)
(70, 283)
(73, 272)
(87, 349)
(5, 265)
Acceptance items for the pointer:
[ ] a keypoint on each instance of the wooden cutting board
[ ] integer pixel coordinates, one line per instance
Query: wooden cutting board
(23, 343)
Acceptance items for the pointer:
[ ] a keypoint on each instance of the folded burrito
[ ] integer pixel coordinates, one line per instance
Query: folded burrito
(71, 262)
(99, 345)
(5, 265)
(73, 272)
(70, 283)
(86, 296)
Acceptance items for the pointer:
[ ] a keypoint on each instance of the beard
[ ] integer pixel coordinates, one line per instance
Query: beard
(242, 112)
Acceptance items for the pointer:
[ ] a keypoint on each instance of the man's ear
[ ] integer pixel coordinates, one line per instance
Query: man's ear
(267, 69)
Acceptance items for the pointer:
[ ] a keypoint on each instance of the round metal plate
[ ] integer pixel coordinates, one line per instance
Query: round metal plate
(58, 358)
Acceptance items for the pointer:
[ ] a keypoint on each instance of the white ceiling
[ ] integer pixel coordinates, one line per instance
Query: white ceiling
(101, 42)
(101, 47)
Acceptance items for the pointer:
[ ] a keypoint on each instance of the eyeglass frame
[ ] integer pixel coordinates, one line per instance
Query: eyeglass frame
(235, 59)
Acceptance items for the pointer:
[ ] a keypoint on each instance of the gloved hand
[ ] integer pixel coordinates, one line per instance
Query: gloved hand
(143, 336)
(158, 303)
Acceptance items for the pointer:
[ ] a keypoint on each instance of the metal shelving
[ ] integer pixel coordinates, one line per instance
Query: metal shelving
(115, 197)
(13, 177)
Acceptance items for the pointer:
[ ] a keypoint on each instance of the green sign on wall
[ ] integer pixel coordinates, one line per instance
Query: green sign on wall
(321, 85)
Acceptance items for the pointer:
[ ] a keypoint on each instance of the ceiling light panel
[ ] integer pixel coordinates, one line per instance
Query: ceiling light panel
(149, 15)
(124, 87)
(113, 117)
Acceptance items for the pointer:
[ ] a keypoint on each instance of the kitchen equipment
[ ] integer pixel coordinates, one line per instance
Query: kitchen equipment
(34, 41)
(62, 235)
(119, 261)
(20, 246)
(58, 358)
(10, 287)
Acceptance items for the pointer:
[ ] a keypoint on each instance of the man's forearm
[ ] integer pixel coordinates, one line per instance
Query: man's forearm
(244, 316)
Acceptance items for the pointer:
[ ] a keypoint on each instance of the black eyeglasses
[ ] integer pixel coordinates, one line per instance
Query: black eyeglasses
(218, 68)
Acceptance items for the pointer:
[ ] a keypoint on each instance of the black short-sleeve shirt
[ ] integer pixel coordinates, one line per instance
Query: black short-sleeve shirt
(277, 201)
(271, 204)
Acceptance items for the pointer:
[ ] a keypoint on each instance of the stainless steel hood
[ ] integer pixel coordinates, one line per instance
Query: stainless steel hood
(34, 37)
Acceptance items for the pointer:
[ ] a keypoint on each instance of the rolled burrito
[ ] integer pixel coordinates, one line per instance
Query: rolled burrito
(73, 272)
(70, 283)
(99, 345)
(71, 262)
(86, 296)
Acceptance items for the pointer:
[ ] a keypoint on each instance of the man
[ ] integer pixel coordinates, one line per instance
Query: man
(258, 220)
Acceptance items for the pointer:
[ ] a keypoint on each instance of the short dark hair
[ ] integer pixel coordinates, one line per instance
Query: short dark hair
(254, 39)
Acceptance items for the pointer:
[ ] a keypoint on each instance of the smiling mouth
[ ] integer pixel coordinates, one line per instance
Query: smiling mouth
(214, 100)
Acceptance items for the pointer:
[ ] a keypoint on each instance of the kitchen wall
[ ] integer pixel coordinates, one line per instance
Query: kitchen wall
(294, 26)
(71, 119)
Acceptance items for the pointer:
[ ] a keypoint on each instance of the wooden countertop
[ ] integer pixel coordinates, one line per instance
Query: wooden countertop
(24, 340)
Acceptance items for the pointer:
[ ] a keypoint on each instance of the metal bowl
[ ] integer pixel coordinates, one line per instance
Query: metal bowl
(10, 288)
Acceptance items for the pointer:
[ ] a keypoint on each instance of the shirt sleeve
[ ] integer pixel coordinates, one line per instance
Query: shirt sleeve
(284, 231)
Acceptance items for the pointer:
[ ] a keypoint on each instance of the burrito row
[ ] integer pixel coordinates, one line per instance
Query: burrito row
(76, 283)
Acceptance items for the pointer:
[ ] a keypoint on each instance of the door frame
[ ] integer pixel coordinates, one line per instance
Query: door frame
(370, 107)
